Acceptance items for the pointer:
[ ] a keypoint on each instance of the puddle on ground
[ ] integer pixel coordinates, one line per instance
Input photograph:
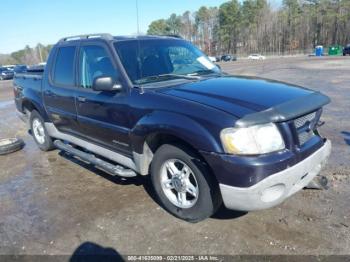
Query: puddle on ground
(7, 103)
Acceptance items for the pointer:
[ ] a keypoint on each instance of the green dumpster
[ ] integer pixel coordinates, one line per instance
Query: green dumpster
(335, 50)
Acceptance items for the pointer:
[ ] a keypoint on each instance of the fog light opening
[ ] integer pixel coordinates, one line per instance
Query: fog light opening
(273, 193)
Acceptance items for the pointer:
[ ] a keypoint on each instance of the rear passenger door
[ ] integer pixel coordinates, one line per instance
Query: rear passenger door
(102, 115)
(58, 94)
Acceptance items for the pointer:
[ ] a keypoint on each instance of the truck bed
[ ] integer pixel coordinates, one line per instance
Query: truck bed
(27, 84)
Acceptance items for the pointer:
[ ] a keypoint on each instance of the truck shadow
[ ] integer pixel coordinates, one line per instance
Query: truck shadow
(222, 214)
(346, 137)
(225, 214)
(89, 251)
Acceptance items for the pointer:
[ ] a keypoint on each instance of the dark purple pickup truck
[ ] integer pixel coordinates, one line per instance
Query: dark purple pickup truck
(157, 106)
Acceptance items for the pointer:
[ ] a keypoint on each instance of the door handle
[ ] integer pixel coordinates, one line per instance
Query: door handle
(81, 99)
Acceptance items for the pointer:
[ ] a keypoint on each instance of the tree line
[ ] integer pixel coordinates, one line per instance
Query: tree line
(256, 26)
(27, 56)
(243, 27)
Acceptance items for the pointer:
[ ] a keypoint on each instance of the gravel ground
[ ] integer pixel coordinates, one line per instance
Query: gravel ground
(52, 204)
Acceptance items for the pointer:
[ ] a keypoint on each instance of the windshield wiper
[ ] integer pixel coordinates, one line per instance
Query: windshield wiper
(176, 76)
(203, 72)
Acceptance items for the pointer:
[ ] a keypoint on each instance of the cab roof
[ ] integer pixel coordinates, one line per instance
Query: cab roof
(109, 37)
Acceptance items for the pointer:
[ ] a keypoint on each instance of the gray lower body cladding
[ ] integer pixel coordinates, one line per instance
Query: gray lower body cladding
(109, 154)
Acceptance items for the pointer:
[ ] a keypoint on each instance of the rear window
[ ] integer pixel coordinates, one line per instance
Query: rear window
(64, 68)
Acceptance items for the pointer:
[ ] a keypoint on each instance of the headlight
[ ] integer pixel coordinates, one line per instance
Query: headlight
(252, 140)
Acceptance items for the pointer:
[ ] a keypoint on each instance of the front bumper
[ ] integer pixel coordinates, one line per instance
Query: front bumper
(274, 189)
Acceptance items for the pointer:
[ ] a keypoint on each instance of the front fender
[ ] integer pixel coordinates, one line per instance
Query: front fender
(181, 126)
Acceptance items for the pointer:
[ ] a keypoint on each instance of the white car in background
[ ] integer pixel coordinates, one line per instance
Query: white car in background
(256, 57)
(212, 59)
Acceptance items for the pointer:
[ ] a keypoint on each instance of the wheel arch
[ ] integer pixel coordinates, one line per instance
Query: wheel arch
(30, 105)
(168, 128)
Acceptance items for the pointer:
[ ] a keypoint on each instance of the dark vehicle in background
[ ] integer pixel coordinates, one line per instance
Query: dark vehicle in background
(36, 68)
(6, 74)
(157, 106)
(227, 58)
(346, 50)
(20, 69)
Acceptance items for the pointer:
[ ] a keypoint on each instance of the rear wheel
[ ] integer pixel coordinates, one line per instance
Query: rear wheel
(41, 137)
(183, 184)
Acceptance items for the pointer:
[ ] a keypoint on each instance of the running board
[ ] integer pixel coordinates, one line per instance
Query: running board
(114, 170)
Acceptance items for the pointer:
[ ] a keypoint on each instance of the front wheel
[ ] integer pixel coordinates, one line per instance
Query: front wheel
(183, 184)
(41, 137)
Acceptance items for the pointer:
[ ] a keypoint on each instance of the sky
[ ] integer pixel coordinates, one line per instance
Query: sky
(28, 22)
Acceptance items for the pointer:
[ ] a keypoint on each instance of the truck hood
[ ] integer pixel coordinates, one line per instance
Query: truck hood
(252, 100)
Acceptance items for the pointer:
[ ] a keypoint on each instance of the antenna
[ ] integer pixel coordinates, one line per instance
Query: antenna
(137, 17)
(138, 42)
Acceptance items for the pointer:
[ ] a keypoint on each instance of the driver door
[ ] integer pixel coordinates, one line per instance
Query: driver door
(102, 115)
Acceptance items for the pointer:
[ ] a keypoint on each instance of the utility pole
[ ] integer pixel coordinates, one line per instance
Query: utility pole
(137, 17)
(41, 57)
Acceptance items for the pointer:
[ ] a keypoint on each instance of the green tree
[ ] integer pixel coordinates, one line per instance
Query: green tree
(293, 13)
(158, 27)
(202, 18)
(244, 26)
(230, 21)
(187, 29)
(174, 24)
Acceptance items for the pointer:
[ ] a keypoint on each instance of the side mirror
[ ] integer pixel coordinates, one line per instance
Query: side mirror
(218, 66)
(106, 83)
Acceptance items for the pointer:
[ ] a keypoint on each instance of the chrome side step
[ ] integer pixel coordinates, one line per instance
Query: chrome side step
(114, 170)
(98, 150)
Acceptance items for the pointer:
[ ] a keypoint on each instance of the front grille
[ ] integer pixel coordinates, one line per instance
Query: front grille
(305, 127)
(299, 122)
(305, 136)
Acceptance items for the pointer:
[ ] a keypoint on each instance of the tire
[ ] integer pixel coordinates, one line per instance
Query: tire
(208, 197)
(10, 145)
(40, 135)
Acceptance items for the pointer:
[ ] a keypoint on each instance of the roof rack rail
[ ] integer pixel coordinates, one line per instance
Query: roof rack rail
(173, 35)
(76, 37)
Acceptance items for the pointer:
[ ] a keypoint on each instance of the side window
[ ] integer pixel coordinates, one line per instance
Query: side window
(94, 62)
(64, 68)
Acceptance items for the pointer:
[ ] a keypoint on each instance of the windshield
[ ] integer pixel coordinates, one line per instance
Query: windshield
(154, 60)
